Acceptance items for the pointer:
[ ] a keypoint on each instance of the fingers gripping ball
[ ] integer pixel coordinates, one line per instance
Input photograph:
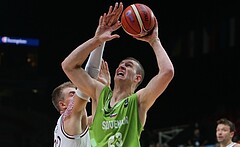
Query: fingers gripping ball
(137, 20)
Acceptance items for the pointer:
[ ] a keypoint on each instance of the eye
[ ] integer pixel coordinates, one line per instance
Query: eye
(128, 65)
(71, 94)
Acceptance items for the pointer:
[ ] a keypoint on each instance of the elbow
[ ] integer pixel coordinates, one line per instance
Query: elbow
(66, 67)
(169, 73)
(69, 68)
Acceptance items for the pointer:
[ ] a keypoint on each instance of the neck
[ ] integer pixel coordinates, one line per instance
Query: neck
(228, 144)
(119, 94)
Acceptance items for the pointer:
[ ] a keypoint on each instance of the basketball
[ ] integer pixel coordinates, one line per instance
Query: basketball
(137, 20)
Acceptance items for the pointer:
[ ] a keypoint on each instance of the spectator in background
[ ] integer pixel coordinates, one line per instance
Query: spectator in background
(225, 131)
(197, 139)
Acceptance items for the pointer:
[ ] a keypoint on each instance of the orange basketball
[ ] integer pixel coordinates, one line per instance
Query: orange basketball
(137, 20)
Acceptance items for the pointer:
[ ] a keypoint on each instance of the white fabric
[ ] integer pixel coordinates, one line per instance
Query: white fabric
(62, 139)
(93, 64)
(82, 95)
(231, 144)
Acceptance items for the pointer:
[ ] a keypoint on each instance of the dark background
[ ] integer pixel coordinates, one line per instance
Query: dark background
(201, 38)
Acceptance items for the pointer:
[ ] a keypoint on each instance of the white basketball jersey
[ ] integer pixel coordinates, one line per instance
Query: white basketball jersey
(231, 144)
(62, 139)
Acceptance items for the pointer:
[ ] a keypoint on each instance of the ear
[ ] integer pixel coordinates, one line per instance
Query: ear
(232, 133)
(62, 105)
(138, 78)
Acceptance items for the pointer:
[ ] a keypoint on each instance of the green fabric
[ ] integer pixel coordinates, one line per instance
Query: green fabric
(116, 126)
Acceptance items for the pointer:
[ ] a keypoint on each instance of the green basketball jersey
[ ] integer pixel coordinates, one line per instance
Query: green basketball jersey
(117, 126)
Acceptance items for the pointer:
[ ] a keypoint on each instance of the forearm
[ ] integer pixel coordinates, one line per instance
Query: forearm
(160, 81)
(93, 67)
(163, 60)
(94, 61)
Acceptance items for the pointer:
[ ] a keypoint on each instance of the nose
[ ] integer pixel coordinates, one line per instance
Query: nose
(219, 132)
(121, 65)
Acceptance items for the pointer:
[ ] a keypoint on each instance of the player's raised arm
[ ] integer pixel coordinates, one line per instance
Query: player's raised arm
(72, 65)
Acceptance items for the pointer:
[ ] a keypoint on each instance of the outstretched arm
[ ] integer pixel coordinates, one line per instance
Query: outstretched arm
(92, 67)
(157, 85)
(93, 64)
(72, 65)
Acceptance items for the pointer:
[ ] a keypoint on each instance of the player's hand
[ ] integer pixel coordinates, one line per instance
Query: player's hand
(113, 15)
(108, 23)
(152, 36)
(104, 74)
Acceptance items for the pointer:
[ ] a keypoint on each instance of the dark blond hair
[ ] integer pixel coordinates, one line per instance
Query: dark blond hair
(57, 94)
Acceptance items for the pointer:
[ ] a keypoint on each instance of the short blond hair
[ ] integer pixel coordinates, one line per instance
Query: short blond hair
(57, 94)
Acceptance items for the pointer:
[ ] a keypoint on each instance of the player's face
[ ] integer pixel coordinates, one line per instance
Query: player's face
(68, 94)
(223, 133)
(126, 70)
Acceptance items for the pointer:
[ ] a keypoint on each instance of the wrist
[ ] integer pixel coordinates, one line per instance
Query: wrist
(154, 40)
(97, 41)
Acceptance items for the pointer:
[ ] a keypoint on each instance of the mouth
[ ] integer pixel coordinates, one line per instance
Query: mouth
(219, 137)
(120, 73)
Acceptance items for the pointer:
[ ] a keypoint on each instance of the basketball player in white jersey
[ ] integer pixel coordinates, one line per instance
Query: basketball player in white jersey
(225, 132)
(72, 126)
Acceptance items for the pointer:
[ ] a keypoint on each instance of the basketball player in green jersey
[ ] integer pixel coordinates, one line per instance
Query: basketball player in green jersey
(119, 114)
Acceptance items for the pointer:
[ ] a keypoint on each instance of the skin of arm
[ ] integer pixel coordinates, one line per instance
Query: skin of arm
(156, 86)
(72, 64)
(74, 112)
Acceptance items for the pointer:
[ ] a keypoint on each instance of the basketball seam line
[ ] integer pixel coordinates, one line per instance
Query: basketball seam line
(138, 17)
